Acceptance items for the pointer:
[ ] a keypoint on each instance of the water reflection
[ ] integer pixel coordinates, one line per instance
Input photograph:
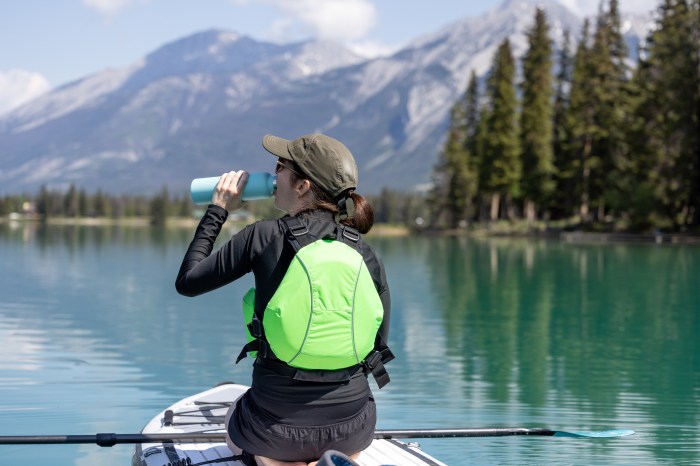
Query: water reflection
(76, 237)
(608, 333)
(488, 333)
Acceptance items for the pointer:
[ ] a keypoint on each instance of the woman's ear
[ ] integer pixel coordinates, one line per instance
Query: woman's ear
(303, 187)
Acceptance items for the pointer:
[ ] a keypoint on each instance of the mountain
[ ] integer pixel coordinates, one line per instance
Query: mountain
(200, 105)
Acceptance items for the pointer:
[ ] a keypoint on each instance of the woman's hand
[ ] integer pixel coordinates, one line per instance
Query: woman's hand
(227, 193)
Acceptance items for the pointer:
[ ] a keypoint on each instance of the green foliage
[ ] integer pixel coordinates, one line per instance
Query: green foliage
(159, 208)
(399, 208)
(667, 111)
(536, 116)
(599, 142)
(11, 204)
(609, 101)
(562, 204)
(579, 123)
(500, 167)
(455, 176)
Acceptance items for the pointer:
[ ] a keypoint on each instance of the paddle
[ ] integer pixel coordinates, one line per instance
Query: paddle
(109, 440)
(496, 432)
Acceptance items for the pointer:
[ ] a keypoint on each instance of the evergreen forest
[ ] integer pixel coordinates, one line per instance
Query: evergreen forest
(581, 133)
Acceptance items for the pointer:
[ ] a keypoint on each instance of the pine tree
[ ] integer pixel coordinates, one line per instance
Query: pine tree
(159, 208)
(536, 117)
(43, 199)
(483, 197)
(455, 161)
(437, 196)
(645, 145)
(471, 117)
(454, 177)
(564, 169)
(84, 208)
(579, 119)
(70, 202)
(472, 122)
(672, 78)
(500, 166)
(609, 99)
(454, 166)
(102, 204)
(694, 20)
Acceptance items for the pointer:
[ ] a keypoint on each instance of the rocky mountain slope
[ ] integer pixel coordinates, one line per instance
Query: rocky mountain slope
(200, 106)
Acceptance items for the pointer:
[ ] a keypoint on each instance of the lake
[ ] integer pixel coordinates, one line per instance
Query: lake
(487, 333)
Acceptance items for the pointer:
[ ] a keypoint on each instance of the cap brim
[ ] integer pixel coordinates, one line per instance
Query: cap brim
(277, 146)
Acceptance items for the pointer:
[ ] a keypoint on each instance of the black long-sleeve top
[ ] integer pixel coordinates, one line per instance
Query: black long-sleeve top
(262, 248)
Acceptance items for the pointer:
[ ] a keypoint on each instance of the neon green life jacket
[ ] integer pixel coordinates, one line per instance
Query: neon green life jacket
(326, 311)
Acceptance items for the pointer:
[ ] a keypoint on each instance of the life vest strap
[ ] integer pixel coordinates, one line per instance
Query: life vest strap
(259, 345)
(309, 375)
(351, 235)
(373, 364)
(297, 233)
(255, 327)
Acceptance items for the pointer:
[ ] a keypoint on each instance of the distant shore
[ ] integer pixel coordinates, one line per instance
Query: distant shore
(573, 236)
(494, 230)
(171, 222)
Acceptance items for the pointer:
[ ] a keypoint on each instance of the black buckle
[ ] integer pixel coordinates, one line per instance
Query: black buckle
(299, 229)
(255, 327)
(386, 355)
(375, 366)
(351, 235)
(262, 348)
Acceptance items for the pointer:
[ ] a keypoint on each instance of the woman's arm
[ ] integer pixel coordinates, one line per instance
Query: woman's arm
(201, 271)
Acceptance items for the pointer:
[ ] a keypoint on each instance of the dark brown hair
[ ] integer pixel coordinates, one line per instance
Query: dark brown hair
(362, 218)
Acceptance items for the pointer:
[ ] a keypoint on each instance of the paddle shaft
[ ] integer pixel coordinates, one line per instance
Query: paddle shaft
(110, 439)
(446, 433)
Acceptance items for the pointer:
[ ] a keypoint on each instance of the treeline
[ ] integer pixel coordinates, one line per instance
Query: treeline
(597, 140)
(77, 203)
(389, 206)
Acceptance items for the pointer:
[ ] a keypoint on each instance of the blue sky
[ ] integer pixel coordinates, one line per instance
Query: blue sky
(47, 43)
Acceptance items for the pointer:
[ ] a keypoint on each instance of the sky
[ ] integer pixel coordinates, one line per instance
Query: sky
(47, 43)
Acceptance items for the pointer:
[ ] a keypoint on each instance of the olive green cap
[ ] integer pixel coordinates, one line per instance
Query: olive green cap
(326, 161)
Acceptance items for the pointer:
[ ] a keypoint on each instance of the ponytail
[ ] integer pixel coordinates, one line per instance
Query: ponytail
(363, 217)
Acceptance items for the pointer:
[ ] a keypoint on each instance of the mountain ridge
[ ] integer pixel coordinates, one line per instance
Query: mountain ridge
(199, 105)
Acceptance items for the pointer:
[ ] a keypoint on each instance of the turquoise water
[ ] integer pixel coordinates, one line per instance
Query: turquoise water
(488, 333)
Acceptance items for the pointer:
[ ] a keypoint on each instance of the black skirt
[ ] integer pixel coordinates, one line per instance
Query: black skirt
(256, 432)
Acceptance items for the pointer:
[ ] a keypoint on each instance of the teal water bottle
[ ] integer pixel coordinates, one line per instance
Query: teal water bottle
(260, 185)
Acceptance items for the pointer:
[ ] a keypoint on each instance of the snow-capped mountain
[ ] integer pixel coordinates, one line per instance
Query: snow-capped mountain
(200, 106)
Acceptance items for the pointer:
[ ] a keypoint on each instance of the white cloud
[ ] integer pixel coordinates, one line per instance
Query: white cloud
(20, 86)
(341, 20)
(107, 7)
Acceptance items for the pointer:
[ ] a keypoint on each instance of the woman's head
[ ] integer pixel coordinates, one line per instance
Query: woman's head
(322, 174)
(322, 159)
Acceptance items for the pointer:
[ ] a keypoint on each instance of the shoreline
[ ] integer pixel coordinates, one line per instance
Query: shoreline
(171, 222)
(575, 236)
(393, 230)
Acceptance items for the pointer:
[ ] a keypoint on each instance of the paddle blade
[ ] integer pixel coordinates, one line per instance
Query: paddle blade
(597, 434)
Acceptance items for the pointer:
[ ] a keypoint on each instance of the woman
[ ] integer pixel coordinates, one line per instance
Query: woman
(295, 411)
